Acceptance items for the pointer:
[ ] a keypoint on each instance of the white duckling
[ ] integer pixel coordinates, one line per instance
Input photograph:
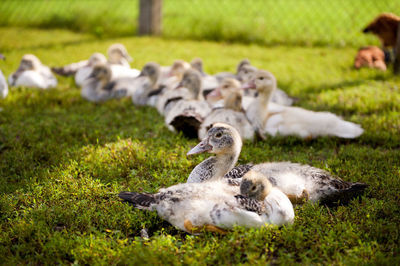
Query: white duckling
(173, 93)
(278, 96)
(99, 87)
(187, 115)
(84, 72)
(118, 55)
(232, 113)
(215, 206)
(32, 73)
(118, 59)
(274, 119)
(3, 82)
(299, 182)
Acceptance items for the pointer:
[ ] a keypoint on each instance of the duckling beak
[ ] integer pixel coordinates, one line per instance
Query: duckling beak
(180, 85)
(216, 93)
(203, 146)
(250, 85)
(128, 57)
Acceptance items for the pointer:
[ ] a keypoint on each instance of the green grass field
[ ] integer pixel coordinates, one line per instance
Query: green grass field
(63, 160)
(298, 22)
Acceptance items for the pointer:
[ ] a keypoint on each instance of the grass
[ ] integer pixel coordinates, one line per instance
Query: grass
(299, 22)
(63, 160)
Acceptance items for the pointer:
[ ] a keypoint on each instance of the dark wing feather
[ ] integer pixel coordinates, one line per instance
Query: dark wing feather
(138, 200)
(250, 204)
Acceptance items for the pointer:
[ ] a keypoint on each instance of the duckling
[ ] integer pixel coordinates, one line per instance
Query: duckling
(3, 82)
(187, 115)
(278, 96)
(148, 92)
(232, 113)
(299, 182)
(210, 206)
(118, 55)
(32, 73)
(209, 82)
(226, 143)
(99, 87)
(84, 72)
(258, 193)
(274, 119)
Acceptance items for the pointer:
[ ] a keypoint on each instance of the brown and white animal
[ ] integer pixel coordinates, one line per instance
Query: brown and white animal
(371, 57)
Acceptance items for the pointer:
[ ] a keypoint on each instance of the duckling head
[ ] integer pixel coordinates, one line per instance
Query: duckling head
(101, 72)
(255, 185)
(178, 68)
(152, 71)
(221, 139)
(197, 64)
(29, 62)
(231, 93)
(241, 64)
(246, 73)
(263, 81)
(97, 58)
(116, 52)
(192, 81)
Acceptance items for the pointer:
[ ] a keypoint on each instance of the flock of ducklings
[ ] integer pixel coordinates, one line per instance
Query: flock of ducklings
(221, 110)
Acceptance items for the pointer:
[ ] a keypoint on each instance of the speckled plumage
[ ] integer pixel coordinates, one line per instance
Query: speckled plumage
(208, 203)
(291, 178)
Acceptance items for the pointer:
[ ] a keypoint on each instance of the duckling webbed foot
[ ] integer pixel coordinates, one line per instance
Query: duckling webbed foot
(208, 227)
(299, 199)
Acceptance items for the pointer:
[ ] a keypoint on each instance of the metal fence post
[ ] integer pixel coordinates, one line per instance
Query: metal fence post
(396, 66)
(150, 14)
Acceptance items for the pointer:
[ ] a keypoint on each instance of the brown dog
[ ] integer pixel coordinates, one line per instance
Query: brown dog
(370, 56)
(384, 27)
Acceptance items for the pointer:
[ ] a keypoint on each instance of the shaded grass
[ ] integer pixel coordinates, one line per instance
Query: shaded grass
(304, 22)
(63, 160)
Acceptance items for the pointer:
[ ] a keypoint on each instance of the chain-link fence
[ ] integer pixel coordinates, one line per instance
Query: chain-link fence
(304, 22)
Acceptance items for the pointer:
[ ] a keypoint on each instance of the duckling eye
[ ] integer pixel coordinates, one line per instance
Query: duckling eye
(261, 78)
(226, 86)
(218, 135)
(253, 188)
(245, 72)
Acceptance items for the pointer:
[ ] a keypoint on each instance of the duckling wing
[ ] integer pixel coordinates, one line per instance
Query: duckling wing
(236, 119)
(82, 74)
(120, 71)
(71, 69)
(294, 178)
(280, 97)
(234, 176)
(31, 79)
(278, 208)
(305, 124)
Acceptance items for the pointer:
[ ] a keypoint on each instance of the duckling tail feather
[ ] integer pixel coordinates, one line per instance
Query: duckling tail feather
(343, 196)
(138, 200)
(188, 123)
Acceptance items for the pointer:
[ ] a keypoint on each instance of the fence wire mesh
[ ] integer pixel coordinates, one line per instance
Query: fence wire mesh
(303, 22)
